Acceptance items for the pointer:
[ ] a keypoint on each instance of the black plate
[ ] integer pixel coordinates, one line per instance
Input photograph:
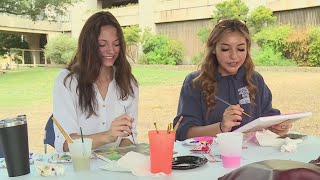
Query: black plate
(187, 162)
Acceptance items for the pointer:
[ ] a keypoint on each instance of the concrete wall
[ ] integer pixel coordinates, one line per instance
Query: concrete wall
(181, 10)
(18, 24)
(80, 12)
(280, 5)
(150, 12)
(126, 15)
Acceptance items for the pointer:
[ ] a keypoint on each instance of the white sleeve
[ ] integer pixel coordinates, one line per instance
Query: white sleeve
(64, 109)
(132, 110)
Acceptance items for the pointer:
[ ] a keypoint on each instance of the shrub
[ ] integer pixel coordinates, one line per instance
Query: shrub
(314, 47)
(132, 37)
(61, 49)
(197, 59)
(159, 49)
(274, 36)
(296, 46)
(267, 56)
(203, 34)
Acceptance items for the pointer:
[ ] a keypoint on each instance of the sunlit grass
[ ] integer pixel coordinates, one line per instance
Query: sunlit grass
(30, 86)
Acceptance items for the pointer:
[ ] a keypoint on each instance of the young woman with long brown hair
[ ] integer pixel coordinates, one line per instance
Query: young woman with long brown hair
(226, 76)
(97, 91)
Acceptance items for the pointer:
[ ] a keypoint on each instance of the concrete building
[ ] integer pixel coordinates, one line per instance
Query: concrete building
(179, 19)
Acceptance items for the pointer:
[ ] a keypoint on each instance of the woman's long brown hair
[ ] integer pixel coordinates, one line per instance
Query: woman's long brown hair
(87, 62)
(209, 67)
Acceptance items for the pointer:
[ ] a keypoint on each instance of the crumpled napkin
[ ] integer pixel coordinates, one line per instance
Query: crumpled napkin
(269, 138)
(136, 163)
(290, 145)
(47, 169)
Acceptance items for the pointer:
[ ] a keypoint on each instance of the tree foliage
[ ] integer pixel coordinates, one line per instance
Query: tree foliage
(34, 8)
(230, 9)
(261, 17)
(8, 41)
(203, 34)
(61, 49)
(132, 37)
(160, 49)
(236, 9)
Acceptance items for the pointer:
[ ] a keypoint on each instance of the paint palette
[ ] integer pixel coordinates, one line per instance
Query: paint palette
(60, 158)
(191, 142)
(197, 140)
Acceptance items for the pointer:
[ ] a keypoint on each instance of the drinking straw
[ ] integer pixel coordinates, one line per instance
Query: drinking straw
(81, 135)
(125, 111)
(155, 125)
(66, 136)
(230, 105)
(177, 125)
(83, 149)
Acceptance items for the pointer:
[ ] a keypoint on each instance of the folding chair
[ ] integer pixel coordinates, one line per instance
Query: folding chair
(49, 135)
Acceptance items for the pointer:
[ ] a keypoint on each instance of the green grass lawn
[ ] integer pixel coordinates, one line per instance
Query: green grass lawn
(29, 91)
(31, 86)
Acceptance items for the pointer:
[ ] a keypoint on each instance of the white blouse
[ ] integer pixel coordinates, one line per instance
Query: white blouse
(67, 111)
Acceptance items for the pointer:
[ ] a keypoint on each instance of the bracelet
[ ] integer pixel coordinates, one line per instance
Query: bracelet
(220, 127)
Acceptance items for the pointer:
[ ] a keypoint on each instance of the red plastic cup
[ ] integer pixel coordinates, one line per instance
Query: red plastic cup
(161, 151)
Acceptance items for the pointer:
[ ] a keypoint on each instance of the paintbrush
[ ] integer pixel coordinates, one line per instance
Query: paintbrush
(125, 111)
(177, 125)
(230, 105)
(155, 126)
(66, 136)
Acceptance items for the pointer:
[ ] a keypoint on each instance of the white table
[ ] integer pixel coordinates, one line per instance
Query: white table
(307, 150)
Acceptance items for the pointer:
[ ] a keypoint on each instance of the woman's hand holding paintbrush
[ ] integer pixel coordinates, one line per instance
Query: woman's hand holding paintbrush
(120, 127)
(232, 116)
(225, 102)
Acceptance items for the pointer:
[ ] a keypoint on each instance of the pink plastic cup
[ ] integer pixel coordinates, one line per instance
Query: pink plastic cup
(161, 151)
(230, 144)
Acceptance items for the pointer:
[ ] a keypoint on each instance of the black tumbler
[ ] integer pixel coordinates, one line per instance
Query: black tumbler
(14, 140)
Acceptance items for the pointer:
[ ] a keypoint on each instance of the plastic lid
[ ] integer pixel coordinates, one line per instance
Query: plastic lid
(19, 120)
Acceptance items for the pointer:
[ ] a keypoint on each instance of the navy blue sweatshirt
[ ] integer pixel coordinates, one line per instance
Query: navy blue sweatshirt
(232, 88)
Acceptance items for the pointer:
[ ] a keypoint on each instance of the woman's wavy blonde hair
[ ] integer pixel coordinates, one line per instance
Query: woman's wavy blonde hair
(209, 67)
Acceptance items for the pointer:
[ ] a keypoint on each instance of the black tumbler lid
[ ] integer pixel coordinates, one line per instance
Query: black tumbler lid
(19, 120)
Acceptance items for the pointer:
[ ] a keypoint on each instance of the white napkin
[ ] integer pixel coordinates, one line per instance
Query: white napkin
(134, 162)
(290, 145)
(47, 169)
(269, 138)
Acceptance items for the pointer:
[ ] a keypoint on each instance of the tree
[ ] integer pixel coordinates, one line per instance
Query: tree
(230, 9)
(33, 8)
(260, 17)
(132, 37)
(8, 41)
